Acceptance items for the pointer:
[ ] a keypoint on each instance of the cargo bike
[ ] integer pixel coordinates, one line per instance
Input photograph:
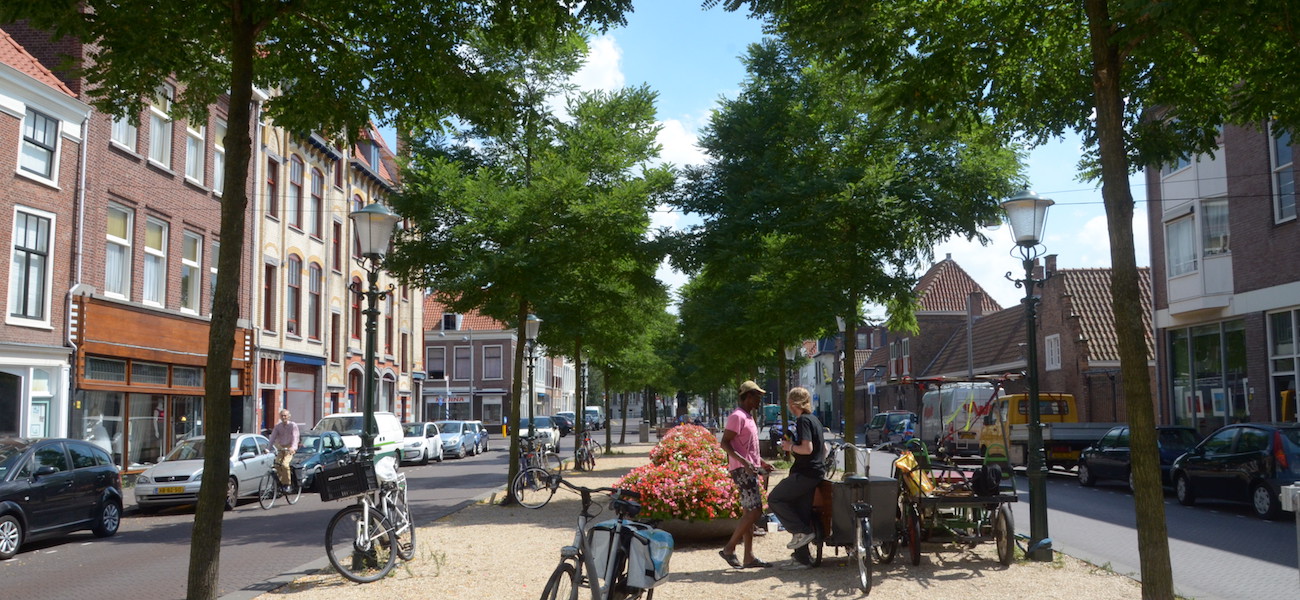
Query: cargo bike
(857, 514)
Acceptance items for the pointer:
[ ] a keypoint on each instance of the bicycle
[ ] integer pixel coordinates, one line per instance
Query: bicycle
(532, 454)
(585, 455)
(364, 541)
(269, 489)
(620, 559)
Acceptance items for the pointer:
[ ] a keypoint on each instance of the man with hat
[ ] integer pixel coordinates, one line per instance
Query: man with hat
(740, 442)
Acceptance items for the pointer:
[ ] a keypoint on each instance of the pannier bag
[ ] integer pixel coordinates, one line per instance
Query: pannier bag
(648, 552)
(919, 482)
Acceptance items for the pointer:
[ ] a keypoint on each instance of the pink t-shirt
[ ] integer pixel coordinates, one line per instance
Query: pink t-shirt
(746, 441)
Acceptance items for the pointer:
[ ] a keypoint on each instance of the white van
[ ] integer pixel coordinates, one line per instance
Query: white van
(952, 416)
(595, 413)
(388, 440)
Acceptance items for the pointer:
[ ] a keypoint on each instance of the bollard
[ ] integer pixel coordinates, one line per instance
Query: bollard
(1291, 501)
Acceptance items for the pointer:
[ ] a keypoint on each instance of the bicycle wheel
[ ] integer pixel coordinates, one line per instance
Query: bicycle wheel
(295, 489)
(1004, 532)
(530, 488)
(885, 552)
(862, 549)
(914, 536)
(403, 528)
(831, 463)
(563, 584)
(551, 462)
(360, 551)
(588, 459)
(267, 491)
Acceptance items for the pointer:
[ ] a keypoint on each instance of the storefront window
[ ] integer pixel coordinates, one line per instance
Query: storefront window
(492, 411)
(1284, 364)
(147, 430)
(1238, 384)
(100, 415)
(186, 417)
(1208, 375)
(1180, 377)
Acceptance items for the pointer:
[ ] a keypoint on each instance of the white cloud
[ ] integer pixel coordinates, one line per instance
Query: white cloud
(679, 144)
(604, 67)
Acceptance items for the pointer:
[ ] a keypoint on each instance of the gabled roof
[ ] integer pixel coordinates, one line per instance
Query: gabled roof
(1090, 300)
(13, 54)
(433, 311)
(998, 339)
(945, 288)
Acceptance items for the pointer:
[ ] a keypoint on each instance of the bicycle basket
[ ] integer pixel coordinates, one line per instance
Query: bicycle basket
(347, 480)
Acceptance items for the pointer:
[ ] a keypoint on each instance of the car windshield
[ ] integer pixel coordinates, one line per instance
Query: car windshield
(341, 425)
(191, 449)
(10, 450)
(538, 422)
(414, 430)
(309, 444)
(1179, 440)
(449, 426)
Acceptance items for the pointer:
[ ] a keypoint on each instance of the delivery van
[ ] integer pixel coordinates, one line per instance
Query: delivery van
(388, 439)
(952, 416)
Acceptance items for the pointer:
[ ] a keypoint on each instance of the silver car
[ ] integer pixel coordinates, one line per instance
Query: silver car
(175, 480)
(458, 439)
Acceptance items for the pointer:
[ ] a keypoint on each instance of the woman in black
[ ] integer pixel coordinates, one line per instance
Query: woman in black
(792, 498)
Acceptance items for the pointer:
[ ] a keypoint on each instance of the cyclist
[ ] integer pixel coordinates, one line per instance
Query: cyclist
(284, 438)
(792, 499)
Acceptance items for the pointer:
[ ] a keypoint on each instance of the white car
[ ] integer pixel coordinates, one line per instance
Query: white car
(547, 434)
(457, 439)
(422, 443)
(175, 480)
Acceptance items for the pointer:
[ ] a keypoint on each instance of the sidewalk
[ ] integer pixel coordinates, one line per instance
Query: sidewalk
(490, 551)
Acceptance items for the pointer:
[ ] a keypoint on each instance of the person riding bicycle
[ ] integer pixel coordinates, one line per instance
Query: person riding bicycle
(792, 499)
(284, 438)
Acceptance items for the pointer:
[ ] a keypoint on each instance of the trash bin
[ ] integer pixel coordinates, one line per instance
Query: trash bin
(645, 431)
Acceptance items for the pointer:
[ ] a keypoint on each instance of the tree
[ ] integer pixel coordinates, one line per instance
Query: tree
(540, 214)
(816, 200)
(331, 65)
(1142, 82)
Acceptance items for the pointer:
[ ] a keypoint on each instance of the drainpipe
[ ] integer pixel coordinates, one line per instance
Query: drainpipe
(79, 206)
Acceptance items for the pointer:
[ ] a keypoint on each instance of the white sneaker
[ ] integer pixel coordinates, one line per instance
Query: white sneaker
(800, 540)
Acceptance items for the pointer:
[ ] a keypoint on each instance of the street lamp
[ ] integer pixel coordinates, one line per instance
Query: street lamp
(531, 325)
(1027, 212)
(373, 226)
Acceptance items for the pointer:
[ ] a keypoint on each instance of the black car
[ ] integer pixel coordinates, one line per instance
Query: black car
(1109, 458)
(1244, 462)
(54, 486)
(563, 422)
(317, 451)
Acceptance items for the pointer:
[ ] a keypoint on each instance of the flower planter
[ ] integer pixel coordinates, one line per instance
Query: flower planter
(699, 531)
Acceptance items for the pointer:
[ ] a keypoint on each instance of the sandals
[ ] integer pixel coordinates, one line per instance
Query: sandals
(730, 558)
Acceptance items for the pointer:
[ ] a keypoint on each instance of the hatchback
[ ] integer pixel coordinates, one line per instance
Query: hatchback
(422, 443)
(457, 439)
(317, 451)
(480, 433)
(1244, 462)
(176, 479)
(1110, 458)
(54, 486)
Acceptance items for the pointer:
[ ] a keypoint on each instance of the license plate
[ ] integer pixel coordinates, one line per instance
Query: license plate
(171, 490)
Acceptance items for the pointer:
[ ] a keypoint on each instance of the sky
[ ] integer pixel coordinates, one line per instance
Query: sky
(691, 58)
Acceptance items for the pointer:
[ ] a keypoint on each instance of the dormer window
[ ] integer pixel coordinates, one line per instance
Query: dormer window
(450, 321)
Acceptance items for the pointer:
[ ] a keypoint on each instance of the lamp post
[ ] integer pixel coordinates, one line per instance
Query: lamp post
(531, 325)
(373, 226)
(1026, 212)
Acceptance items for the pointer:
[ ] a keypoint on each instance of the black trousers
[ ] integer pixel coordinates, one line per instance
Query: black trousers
(792, 501)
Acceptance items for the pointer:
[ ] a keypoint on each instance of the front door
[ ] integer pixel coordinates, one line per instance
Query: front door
(11, 401)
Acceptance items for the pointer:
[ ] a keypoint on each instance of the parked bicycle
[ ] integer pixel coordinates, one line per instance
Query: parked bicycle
(364, 541)
(533, 454)
(585, 456)
(618, 559)
(270, 488)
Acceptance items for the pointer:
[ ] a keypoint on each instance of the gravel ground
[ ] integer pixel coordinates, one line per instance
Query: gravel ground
(496, 552)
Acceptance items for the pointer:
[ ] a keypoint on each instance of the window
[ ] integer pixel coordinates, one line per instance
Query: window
(338, 173)
(29, 275)
(293, 211)
(1180, 163)
(268, 298)
(1214, 227)
(317, 207)
(492, 362)
(124, 133)
(405, 344)
(1052, 352)
(1180, 246)
(336, 248)
(191, 271)
(388, 325)
(194, 150)
(219, 157)
(293, 295)
(1283, 174)
(461, 367)
(437, 363)
(313, 301)
(160, 126)
(40, 143)
(117, 258)
(212, 274)
(272, 189)
(357, 205)
(356, 308)
(155, 262)
(449, 321)
(335, 338)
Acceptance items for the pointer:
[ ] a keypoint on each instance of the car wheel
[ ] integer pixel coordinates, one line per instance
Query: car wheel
(1132, 484)
(232, 494)
(110, 518)
(438, 457)
(1183, 489)
(424, 456)
(473, 449)
(11, 536)
(1086, 477)
(1267, 505)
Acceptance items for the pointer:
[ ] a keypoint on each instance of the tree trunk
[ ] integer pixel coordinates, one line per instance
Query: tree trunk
(516, 391)
(850, 426)
(1153, 539)
(580, 412)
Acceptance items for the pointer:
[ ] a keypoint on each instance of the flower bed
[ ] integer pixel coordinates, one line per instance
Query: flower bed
(686, 479)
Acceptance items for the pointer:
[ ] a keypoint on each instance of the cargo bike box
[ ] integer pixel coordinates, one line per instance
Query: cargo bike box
(346, 481)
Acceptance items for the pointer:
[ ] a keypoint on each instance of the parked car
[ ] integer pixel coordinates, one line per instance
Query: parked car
(547, 434)
(53, 486)
(457, 439)
(175, 480)
(422, 442)
(481, 432)
(1244, 462)
(563, 423)
(387, 440)
(889, 426)
(317, 451)
(1110, 458)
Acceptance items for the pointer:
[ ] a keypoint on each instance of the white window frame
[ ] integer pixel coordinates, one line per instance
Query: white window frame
(1214, 227)
(124, 134)
(212, 273)
(155, 264)
(1052, 352)
(160, 127)
(219, 156)
(459, 354)
(125, 244)
(195, 155)
(191, 272)
(498, 359)
(436, 357)
(40, 147)
(18, 277)
(1180, 246)
(1283, 175)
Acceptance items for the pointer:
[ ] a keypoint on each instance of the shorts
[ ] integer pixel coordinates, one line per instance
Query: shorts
(747, 484)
